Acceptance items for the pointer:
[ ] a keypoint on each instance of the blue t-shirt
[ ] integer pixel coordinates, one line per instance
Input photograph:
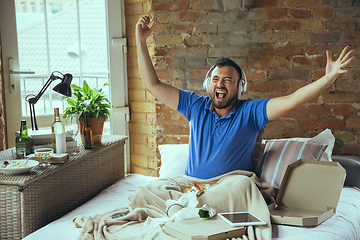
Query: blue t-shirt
(221, 145)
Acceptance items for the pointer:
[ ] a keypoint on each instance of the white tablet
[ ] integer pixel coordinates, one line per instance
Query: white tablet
(237, 219)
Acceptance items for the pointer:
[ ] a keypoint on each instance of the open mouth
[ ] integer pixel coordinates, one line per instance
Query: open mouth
(220, 94)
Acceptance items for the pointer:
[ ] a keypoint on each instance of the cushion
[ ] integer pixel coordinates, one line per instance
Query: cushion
(258, 151)
(174, 156)
(173, 159)
(325, 137)
(278, 154)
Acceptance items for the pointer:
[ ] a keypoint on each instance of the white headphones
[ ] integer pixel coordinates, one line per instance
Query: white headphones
(242, 82)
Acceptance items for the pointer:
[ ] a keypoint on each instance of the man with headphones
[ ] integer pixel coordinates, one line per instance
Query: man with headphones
(223, 128)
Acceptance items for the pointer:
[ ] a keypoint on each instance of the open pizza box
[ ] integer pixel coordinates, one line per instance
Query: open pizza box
(200, 229)
(309, 193)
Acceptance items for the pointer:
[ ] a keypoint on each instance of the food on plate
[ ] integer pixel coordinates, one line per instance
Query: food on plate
(42, 155)
(16, 165)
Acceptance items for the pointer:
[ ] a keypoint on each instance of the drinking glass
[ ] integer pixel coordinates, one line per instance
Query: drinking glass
(72, 126)
(44, 154)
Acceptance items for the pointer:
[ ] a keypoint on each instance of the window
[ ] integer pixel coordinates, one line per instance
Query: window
(71, 40)
(63, 41)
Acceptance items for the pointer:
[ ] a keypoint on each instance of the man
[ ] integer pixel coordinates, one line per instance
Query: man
(223, 129)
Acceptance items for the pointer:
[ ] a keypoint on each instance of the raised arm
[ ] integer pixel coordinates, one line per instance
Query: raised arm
(161, 91)
(279, 106)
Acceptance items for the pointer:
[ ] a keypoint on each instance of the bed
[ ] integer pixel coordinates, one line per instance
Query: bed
(345, 224)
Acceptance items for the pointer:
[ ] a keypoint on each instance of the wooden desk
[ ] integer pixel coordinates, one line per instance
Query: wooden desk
(32, 200)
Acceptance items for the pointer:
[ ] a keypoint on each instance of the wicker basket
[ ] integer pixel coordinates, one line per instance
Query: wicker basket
(32, 200)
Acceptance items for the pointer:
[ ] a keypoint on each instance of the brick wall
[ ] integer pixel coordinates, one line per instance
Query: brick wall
(142, 104)
(281, 46)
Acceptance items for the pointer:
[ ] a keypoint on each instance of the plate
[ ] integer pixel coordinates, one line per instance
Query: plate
(16, 171)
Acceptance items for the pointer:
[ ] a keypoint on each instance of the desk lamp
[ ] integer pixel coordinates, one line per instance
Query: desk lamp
(62, 88)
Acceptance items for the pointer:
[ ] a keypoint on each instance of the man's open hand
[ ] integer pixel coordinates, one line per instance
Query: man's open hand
(143, 30)
(333, 69)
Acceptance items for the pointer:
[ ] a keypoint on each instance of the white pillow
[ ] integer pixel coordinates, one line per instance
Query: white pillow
(325, 138)
(173, 159)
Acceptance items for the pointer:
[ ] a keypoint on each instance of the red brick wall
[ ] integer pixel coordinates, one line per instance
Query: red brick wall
(281, 46)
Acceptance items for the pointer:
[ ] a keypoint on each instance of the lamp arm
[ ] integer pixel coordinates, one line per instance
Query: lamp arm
(32, 99)
(36, 98)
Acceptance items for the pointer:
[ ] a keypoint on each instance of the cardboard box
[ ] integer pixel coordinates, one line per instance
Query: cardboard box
(200, 229)
(309, 193)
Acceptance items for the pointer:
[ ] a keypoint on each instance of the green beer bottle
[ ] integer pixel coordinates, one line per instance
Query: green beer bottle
(23, 142)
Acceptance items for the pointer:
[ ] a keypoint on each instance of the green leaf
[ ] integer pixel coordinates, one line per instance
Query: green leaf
(94, 93)
(86, 87)
(76, 87)
(71, 101)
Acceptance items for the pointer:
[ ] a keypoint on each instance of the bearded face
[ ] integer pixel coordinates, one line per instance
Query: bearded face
(224, 87)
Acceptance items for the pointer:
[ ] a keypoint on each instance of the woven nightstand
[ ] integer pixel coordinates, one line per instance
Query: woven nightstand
(32, 200)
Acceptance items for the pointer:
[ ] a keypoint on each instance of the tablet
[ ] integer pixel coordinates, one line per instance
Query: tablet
(237, 219)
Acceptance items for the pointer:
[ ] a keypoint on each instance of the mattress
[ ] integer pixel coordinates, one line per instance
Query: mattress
(345, 224)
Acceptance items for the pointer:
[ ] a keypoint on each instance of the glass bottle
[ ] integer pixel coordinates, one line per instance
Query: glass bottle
(23, 142)
(87, 132)
(58, 134)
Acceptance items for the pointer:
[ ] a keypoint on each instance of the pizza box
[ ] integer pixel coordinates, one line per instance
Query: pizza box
(309, 193)
(200, 229)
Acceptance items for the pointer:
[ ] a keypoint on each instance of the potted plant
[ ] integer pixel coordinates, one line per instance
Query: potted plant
(92, 100)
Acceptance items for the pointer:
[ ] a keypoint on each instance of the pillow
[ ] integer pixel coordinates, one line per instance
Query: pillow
(173, 159)
(279, 154)
(325, 137)
(258, 152)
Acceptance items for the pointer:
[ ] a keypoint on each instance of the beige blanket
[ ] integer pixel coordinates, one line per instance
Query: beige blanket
(231, 192)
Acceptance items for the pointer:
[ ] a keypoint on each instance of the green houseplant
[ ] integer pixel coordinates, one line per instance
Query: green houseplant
(92, 100)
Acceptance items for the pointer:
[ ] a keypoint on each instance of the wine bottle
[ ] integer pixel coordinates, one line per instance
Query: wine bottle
(23, 142)
(87, 132)
(58, 134)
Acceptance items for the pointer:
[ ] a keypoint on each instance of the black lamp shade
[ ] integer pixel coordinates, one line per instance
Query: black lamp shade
(64, 87)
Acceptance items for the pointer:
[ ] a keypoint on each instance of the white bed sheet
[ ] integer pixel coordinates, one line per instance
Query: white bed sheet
(111, 198)
(345, 224)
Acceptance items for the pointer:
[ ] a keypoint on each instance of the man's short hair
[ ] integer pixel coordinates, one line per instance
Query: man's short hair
(228, 62)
